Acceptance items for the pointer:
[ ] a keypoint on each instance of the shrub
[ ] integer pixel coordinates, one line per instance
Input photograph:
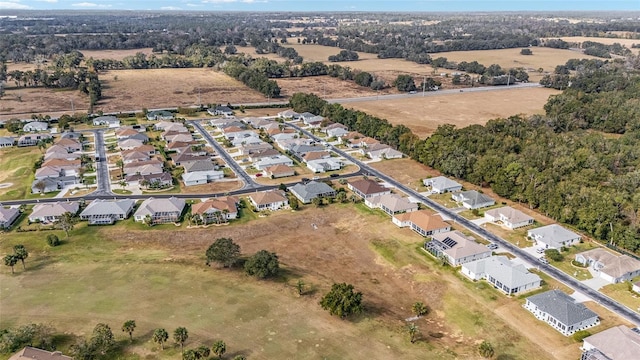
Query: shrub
(53, 240)
(580, 335)
(554, 255)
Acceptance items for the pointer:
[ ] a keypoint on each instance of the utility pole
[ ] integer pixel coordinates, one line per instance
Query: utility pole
(424, 83)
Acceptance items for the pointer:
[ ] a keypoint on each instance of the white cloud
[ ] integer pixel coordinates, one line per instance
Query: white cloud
(13, 5)
(49, 1)
(170, 8)
(193, 5)
(90, 5)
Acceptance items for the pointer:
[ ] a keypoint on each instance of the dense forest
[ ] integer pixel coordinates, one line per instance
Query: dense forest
(578, 175)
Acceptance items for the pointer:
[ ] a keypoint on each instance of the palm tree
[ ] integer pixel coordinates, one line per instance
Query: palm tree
(160, 336)
(21, 253)
(412, 329)
(128, 327)
(419, 309)
(120, 165)
(486, 349)
(180, 335)
(11, 260)
(219, 348)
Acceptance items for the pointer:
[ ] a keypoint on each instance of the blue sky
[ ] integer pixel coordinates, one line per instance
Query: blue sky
(325, 5)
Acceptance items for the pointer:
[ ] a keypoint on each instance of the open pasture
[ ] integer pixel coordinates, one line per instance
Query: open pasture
(126, 90)
(114, 54)
(424, 115)
(607, 41)
(157, 276)
(325, 87)
(22, 102)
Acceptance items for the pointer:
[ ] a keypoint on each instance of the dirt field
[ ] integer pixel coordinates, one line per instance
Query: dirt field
(157, 277)
(423, 115)
(21, 102)
(545, 58)
(325, 87)
(312, 53)
(250, 50)
(114, 54)
(608, 41)
(213, 187)
(153, 88)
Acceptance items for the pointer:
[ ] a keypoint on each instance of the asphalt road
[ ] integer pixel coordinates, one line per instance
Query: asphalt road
(602, 299)
(248, 181)
(102, 166)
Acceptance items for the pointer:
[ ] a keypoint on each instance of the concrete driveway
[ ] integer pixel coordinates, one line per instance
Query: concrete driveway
(596, 283)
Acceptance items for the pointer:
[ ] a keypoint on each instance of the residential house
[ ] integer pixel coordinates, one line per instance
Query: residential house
(273, 160)
(336, 130)
(315, 155)
(363, 142)
(71, 135)
(220, 110)
(279, 171)
(186, 157)
(636, 287)
(147, 167)
(391, 204)
(71, 145)
(8, 216)
(257, 122)
(441, 184)
(553, 237)
(289, 114)
(128, 144)
(216, 210)
(133, 155)
(255, 156)
(503, 274)
(366, 188)
(311, 119)
(288, 144)
(138, 136)
(159, 115)
(125, 132)
(6, 141)
(248, 139)
(106, 212)
(509, 217)
(472, 199)
(311, 190)
(200, 172)
(31, 353)
(60, 152)
(616, 343)
(614, 268)
(50, 184)
(561, 311)
(33, 139)
(380, 152)
(324, 165)
(160, 211)
(109, 121)
(456, 248)
(51, 212)
(58, 167)
(35, 126)
(268, 200)
(180, 146)
(172, 136)
(253, 148)
(170, 126)
(423, 222)
(151, 181)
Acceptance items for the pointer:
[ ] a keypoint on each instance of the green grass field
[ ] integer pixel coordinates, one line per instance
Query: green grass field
(16, 167)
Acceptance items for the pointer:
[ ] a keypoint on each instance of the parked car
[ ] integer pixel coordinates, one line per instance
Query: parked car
(492, 246)
(258, 174)
(544, 260)
(334, 175)
(305, 179)
(540, 250)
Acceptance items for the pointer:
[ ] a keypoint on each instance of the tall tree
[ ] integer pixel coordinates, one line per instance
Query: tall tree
(342, 300)
(224, 252)
(219, 348)
(262, 264)
(11, 260)
(102, 339)
(66, 222)
(180, 336)
(160, 336)
(128, 327)
(21, 253)
(120, 165)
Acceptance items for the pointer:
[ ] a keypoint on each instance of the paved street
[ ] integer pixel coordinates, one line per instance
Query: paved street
(600, 298)
(248, 181)
(102, 166)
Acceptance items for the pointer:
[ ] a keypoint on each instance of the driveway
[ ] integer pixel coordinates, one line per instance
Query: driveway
(596, 283)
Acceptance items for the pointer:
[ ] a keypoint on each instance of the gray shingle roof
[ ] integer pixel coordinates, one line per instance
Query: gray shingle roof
(503, 270)
(102, 207)
(311, 190)
(473, 197)
(561, 307)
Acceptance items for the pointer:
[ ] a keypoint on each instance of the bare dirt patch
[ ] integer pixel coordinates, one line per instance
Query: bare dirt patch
(114, 54)
(326, 87)
(125, 90)
(20, 102)
(321, 53)
(543, 57)
(214, 187)
(424, 115)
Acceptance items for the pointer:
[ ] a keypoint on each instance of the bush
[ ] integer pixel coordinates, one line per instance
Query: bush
(554, 255)
(526, 52)
(262, 265)
(53, 240)
(580, 335)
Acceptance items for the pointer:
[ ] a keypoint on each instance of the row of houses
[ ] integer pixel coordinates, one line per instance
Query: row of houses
(61, 166)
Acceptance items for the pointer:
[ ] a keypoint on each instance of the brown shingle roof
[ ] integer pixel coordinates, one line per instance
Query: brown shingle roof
(368, 187)
(222, 203)
(267, 197)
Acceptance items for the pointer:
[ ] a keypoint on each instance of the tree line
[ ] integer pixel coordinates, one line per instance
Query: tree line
(573, 175)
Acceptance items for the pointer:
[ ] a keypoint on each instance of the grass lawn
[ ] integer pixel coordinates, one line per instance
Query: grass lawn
(569, 255)
(517, 237)
(16, 167)
(622, 293)
(121, 191)
(444, 199)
